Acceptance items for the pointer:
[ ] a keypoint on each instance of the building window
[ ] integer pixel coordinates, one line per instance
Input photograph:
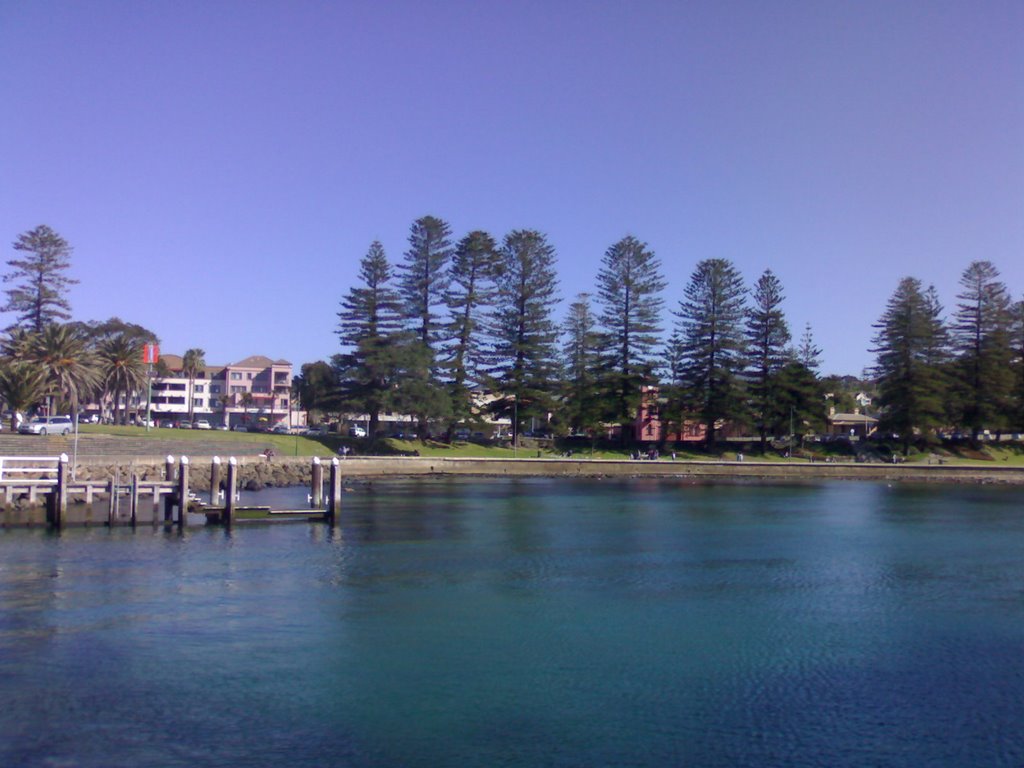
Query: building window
(199, 387)
(215, 389)
(249, 375)
(198, 402)
(259, 388)
(214, 402)
(237, 390)
(236, 376)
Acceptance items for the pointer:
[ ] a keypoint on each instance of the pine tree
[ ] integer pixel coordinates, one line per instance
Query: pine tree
(423, 286)
(981, 338)
(799, 401)
(471, 292)
(40, 295)
(808, 353)
(582, 406)
(523, 353)
(370, 327)
(629, 286)
(1018, 365)
(767, 336)
(423, 277)
(711, 327)
(910, 388)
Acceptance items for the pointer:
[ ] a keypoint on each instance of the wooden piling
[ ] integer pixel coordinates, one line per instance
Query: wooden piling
(316, 485)
(183, 493)
(214, 480)
(60, 493)
(169, 477)
(135, 498)
(229, 493)
(112, 498)
(334, 505)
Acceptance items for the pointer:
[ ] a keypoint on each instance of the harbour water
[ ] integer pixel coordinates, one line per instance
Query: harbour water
(526, 623)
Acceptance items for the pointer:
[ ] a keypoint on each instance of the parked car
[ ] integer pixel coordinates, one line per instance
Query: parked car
(356, 431)
(47, 425)
(184, 424)
(280, 429)
(240, 428)
(461, 433)
(201, 424)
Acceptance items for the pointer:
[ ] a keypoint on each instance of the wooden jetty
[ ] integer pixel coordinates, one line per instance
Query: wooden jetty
(172, 498)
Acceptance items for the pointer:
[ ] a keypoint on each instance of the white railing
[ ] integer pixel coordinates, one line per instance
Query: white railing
(15, 467)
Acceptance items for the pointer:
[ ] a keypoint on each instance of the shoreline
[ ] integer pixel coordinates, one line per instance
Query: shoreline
(752, 470)
(256, 473)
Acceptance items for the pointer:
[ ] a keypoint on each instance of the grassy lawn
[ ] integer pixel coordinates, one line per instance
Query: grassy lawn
(284, 445)
(988, 454)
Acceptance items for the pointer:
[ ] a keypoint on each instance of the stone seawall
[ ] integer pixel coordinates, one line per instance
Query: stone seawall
(256, 472)
(749, 470)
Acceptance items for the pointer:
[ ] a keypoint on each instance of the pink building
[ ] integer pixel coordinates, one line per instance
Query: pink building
(253, 391)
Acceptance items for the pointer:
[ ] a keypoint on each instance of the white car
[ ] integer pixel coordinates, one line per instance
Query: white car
(356, 431)
(47, 425)
(201, 424)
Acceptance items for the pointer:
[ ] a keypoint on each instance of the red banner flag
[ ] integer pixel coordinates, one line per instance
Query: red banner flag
(150, 353)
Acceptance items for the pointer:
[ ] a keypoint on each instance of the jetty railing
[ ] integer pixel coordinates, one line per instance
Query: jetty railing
(15, 468)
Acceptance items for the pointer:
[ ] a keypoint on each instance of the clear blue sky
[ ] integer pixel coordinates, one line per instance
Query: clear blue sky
(221, 167)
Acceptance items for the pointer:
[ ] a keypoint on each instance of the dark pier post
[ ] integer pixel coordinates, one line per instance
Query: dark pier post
(169, 478)
(214, 480)
(229, 492)
(183, 493)
(334, 505)
(135, 498)
(316, 485)
(59, 499)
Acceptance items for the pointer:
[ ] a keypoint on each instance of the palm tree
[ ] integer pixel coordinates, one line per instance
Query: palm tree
(17, 344)
(21, 386)
(122, 370)
(192, 362)
(62, 354)
(245, 400)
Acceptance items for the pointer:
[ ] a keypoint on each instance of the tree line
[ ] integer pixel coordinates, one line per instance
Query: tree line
(452, 317)
(420, 336)
(964, 372)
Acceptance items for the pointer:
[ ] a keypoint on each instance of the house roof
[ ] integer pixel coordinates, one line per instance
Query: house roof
(176, 362)
(852, 418)
(257, 361)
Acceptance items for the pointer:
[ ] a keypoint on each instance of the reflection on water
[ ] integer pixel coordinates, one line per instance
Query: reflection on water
(529, 622)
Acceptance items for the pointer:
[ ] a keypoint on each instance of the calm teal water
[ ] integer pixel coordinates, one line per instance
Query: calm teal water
(528, 623)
